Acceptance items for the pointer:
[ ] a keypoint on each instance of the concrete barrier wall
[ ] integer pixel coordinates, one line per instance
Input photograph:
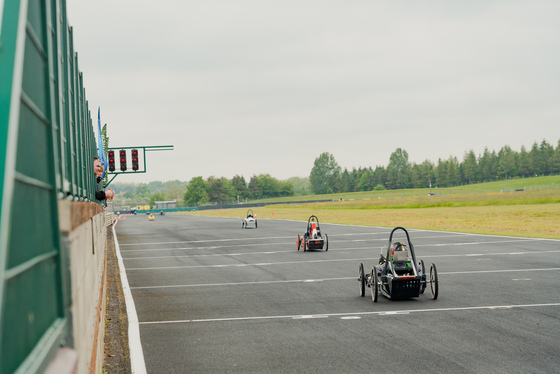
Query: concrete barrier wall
(52, 282)
(84, 227)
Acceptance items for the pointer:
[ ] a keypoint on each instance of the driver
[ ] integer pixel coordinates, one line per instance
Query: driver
(397, 246)
(313, 231)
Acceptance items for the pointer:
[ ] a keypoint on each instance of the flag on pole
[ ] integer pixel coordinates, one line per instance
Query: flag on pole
(100, 148)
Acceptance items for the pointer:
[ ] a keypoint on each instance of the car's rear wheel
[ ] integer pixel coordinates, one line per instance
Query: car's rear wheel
(255, 223)
(362, 280)
(303, 243)
(298, 242)
(434, 284)
(326, 245)
(374, 289)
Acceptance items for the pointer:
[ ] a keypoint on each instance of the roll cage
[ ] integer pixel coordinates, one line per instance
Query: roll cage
(394, 264)
(313, 219)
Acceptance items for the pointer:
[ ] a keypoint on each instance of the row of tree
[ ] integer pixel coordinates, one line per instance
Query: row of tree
(224, 191)
(542, 159)
(132, 194)
(327, 177)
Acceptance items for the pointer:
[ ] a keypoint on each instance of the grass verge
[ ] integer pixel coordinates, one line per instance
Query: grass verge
(525, 184)
(534, 214)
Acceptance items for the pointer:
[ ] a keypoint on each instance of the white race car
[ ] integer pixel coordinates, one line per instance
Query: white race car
(249, 221)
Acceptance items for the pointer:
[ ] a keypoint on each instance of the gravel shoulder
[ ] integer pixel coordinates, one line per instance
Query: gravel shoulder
(117, 355)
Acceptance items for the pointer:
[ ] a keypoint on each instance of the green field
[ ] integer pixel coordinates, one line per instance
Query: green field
(527, 184)
(530, 213)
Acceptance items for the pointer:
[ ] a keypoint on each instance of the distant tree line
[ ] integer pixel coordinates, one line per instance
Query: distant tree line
(210, 190)
(224, 191)
(542, 159)
(327, 177)
(132, 194)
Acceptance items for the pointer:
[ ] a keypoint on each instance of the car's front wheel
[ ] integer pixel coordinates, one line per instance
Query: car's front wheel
(362, 280)
(374, 289)
(434, 284)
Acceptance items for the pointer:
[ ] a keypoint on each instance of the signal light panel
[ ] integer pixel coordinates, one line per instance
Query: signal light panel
(113, 154)
(135, 159)
(111, 159)
(122, 155)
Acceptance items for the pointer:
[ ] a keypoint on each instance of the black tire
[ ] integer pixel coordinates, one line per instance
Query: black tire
(374, 288)
(362, 280)
(326, 245)
(423, 282)
(255, 223)
(434, 284)
(298, 242)
(242, 224)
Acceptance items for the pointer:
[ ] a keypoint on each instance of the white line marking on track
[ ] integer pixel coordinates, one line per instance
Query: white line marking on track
(336, 279)
(276, 252)
(449, 235)
(498, 271)
(470, 234)
(474, 243)
(245, 283)
(199, 248)
(326, 315)
(250, 239)
(320, 261)
(236, 265)
(226, 254)
(137, 362)
(493, 254)
(208, 241)
(312, 316)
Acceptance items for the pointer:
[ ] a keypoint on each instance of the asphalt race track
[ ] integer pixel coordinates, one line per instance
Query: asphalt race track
(212, 297)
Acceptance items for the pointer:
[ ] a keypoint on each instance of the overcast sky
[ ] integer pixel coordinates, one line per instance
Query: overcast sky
(252, 87)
